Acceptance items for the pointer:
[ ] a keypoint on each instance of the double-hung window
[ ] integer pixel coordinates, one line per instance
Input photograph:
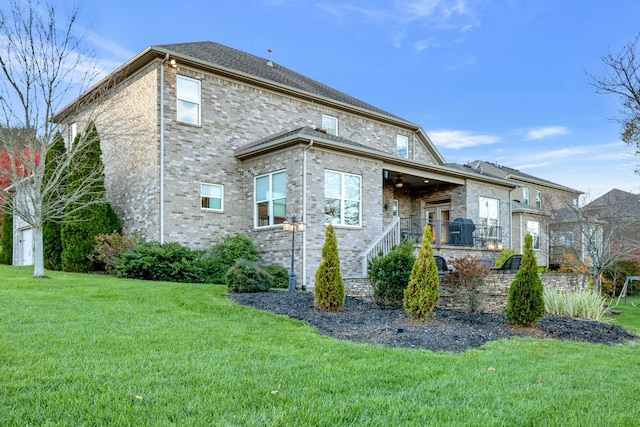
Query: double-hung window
(330, 125)
(525, 195)
(533, 227)
(188, 96)
(402, 146)
(538, 199)
(271, 199)
(490, 216)
(211, 196)
(342, 198)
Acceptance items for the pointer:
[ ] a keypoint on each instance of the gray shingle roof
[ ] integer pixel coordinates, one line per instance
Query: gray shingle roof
(233, 59)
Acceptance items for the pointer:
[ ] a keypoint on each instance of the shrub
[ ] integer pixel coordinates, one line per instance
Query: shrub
(224, 253)
(389, 274)
(279, 274)
(109, 248)
(525, 304)
(468, 274)
(245, 276)
(423, 291)
(6, 243)
(155, 261)
(329, 293)
(506, 253)
(581, 304)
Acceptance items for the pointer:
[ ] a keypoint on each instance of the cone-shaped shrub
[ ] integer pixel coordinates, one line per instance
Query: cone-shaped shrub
(525, 305)
(83, 225)
(6, 243)
(52, 242)
(329, 292)
(423, 290)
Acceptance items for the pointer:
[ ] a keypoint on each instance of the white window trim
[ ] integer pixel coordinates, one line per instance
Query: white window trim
(269, 200)
(198, 103)
(525, 195)
(343, 199)
(221, 197)
(538, 199)
(405, 140)
(530, 226)
(395, 206)
(332, 118)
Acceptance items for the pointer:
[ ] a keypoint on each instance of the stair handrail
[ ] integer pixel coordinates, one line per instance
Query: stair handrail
(383, 243)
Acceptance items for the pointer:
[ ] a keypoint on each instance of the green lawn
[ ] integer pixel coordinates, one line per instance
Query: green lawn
(87, 350)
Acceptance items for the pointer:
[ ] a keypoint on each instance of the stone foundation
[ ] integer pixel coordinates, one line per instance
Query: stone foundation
(491, 298)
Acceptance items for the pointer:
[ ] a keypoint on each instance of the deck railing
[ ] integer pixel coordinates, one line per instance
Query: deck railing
(451, 233)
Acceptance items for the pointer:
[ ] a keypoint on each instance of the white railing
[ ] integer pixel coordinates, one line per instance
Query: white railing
(382, 244)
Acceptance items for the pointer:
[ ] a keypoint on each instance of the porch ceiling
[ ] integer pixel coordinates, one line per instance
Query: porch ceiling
(411, 181)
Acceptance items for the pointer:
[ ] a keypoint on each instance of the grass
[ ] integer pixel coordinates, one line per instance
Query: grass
(82, 350)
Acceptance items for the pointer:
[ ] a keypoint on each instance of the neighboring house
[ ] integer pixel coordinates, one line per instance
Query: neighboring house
(200, 141)
(534, 202)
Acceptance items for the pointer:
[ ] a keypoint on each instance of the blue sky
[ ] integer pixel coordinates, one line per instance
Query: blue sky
(499, 80)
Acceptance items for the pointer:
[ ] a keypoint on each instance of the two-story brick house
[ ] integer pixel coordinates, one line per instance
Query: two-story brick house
(200, 140)
(534, 201)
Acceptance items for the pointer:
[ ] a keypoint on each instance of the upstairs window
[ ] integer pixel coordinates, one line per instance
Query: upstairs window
(330, 125)
(402, 146)
(342, 198)
(525, 195)
(271, 199)
(188, 96)
(211, 196)
(538, 199)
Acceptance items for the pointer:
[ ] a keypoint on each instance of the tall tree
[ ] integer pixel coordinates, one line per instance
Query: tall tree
(621, 78)
(81, 226)
(52, 242)
(43, 64)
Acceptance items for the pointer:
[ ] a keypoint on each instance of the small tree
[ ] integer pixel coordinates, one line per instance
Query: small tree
(389, 274)
(423, 292)
(525, 304)
(329, 293)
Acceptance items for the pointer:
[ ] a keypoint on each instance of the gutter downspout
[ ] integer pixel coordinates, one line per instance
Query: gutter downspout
(164, 61)
(304, 214)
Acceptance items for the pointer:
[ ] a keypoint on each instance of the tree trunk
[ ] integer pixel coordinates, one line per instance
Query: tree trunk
(38, 253)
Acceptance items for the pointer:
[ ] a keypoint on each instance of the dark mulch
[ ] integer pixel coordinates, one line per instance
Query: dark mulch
(452, 331)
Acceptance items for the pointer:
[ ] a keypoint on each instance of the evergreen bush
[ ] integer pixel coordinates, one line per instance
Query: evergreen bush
(6, 241)
(51, 239)
(223, 255)
(423, 291)
(504, 254)
(156, 261)
(525, 304)
(389, 274)
(245, 276)
(279, 274)
(329, 293)
(89, 218)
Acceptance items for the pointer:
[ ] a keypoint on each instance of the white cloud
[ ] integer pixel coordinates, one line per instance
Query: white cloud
(456, 139)
(540, 133)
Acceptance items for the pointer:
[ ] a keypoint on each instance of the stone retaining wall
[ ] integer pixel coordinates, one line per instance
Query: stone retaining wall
(491, 298)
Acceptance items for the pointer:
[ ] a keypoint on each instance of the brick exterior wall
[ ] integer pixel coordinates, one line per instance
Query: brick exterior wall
(234, 114)
(493, 295)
